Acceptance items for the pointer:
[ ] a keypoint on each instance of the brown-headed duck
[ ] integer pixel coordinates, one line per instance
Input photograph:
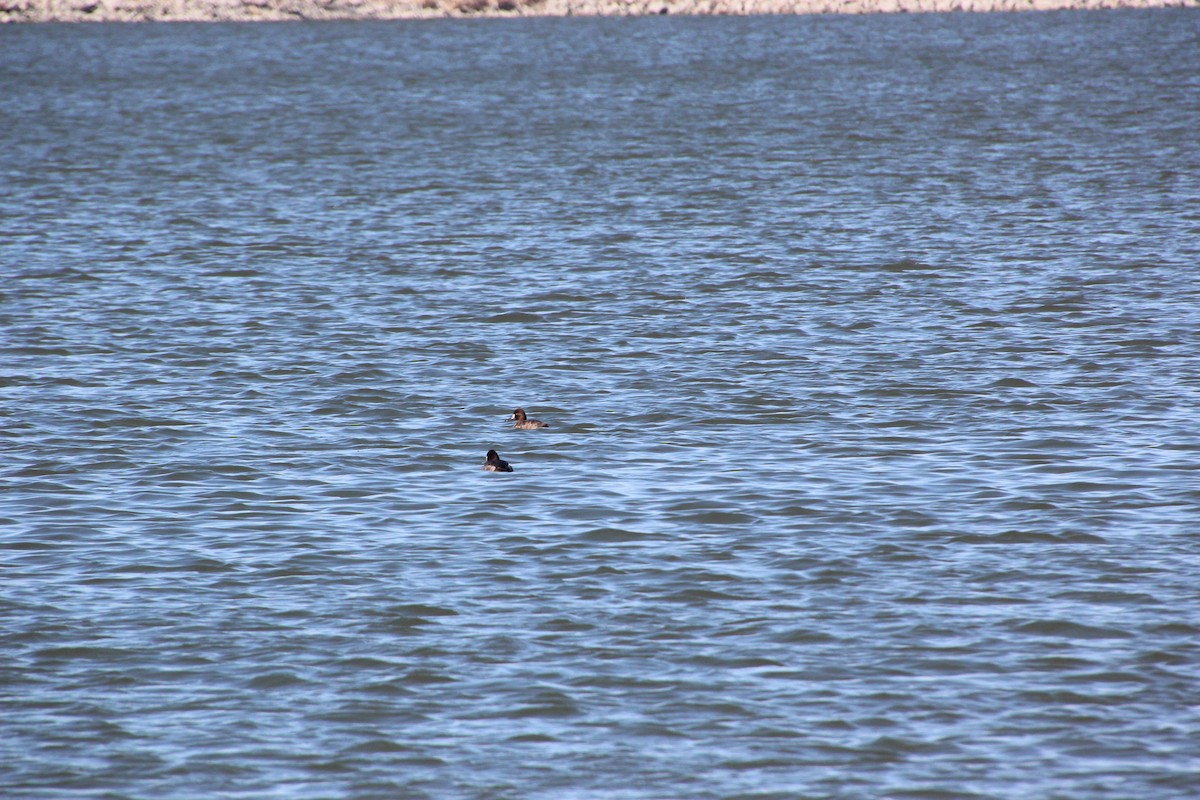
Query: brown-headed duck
(496, 464)
(524, 423)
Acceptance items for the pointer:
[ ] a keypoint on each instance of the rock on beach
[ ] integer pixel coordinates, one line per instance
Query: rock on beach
(275, 10)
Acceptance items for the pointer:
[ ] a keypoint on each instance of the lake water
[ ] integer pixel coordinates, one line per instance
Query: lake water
(870, 349)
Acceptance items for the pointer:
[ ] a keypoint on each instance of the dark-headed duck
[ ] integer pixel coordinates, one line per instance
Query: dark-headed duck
(524, 423)
(496, 464)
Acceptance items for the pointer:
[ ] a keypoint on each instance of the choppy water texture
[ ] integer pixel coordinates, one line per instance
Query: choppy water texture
(870, 350)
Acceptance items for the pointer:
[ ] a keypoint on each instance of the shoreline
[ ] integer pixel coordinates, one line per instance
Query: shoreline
(35, 11)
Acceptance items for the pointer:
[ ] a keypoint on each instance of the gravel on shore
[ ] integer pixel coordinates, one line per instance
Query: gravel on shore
(275, 10)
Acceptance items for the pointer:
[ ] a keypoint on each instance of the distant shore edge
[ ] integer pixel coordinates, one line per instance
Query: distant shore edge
(278, 10)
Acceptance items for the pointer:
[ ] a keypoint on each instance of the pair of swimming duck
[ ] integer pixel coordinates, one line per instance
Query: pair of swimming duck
(520, 421)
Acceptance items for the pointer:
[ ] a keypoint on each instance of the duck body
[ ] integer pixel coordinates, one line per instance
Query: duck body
(522, 422)
(496, 464)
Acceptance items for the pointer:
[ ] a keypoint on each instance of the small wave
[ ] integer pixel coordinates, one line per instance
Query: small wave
(85, 653)
(614, 536)
(1066, 629)
(275, 680)
(516, 317)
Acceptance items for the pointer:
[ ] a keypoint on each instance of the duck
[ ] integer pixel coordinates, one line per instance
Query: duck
(496, 464)
(524, 423)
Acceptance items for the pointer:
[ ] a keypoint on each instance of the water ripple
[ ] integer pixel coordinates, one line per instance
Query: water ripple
(871, 375)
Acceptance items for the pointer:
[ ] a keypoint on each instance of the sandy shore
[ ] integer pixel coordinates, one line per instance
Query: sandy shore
(264, 10)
